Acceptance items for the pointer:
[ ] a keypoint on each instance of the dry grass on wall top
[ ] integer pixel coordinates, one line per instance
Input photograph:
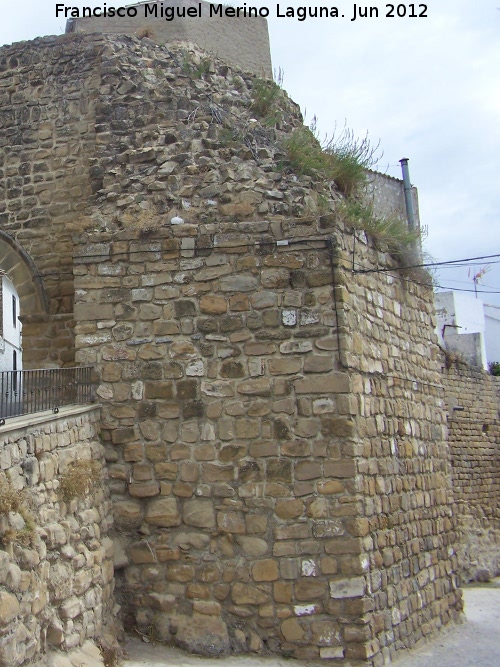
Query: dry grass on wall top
(79, 479)
(341, 158)
(18, 525)
(10, 498)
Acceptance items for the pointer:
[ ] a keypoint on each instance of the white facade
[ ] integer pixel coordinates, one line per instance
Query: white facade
(492, 332)
(461, 325)
(11, 338)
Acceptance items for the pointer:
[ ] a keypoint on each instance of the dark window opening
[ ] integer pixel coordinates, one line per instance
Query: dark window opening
(14, 311)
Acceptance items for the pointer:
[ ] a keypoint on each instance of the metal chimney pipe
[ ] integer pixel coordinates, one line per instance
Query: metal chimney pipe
(410, 213)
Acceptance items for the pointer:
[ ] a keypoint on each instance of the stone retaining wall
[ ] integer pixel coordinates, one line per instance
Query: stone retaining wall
(56, 567)
(474, 441)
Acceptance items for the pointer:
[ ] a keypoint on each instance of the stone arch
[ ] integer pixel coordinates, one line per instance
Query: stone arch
(22, 271)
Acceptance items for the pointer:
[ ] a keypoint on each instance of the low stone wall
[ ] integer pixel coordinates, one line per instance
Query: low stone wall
(56, 567)
(474, 442)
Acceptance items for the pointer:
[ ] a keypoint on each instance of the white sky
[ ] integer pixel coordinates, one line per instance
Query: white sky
(427, 88)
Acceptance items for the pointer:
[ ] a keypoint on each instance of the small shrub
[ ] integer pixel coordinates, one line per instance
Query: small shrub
(111, 655)
(79, 479)
(10, 499)
(16, 501)
(494, 368)
(145, 31)
(196, 70)
(24, 537)
(144, 221)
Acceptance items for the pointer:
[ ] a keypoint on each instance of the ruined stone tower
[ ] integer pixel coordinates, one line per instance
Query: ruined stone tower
(272, 416)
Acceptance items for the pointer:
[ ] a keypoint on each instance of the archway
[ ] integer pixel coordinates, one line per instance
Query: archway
(22, 271)
(33, 310)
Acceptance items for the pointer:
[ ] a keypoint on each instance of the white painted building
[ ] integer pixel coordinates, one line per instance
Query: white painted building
(492, 332)
(469, 327)
(460, 325)
(10, 328)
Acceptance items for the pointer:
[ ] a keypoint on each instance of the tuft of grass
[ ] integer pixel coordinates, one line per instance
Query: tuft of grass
(79, 479)
(267, 95)
(389, 231)
(111, 655)
(350, 158)
(343, 159)
(304, 153)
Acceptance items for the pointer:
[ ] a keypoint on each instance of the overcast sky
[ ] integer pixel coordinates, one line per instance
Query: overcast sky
(427, 87)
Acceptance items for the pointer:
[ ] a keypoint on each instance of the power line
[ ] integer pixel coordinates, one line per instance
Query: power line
(428, 264)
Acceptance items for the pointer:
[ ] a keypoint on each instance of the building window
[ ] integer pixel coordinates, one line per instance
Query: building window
(14, 312)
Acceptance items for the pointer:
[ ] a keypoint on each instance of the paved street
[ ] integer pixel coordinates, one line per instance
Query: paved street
(476, 643)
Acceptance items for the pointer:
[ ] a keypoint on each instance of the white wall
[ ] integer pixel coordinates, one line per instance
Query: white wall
(461, 325)
(492, 332)
(12, 335)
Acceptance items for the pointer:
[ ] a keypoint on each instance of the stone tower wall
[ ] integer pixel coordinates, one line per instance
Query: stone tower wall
(47, 93)
(276, 441)
(242, 42)
(273, 420)
(261, 407)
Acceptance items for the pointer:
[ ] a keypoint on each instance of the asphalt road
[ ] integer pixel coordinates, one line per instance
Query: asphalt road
(475, 643)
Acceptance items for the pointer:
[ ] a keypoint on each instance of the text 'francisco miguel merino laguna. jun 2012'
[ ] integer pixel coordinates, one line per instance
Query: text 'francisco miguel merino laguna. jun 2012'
(158, 10)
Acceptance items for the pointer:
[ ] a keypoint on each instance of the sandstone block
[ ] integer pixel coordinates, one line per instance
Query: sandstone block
(326, 384)
(128, 514)
(248, 594)
(163, 512)
(292, 630)
(144, 489)
(265, 570)
(70, 608)
(310, 589)
(231, 522)
(347, 588)
(252, 546)
(9, 607)
(257, 387)
(213, 305)
(199, 513)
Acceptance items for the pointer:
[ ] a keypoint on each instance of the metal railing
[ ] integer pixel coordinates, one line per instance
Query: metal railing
(26, 392)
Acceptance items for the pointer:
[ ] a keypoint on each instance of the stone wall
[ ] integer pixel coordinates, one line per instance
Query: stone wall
(277, 458)
(56, 567)
(273, 421)
(407, 531)
(241, 42)
(275, 444)
(46, 127)
(473, 398)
